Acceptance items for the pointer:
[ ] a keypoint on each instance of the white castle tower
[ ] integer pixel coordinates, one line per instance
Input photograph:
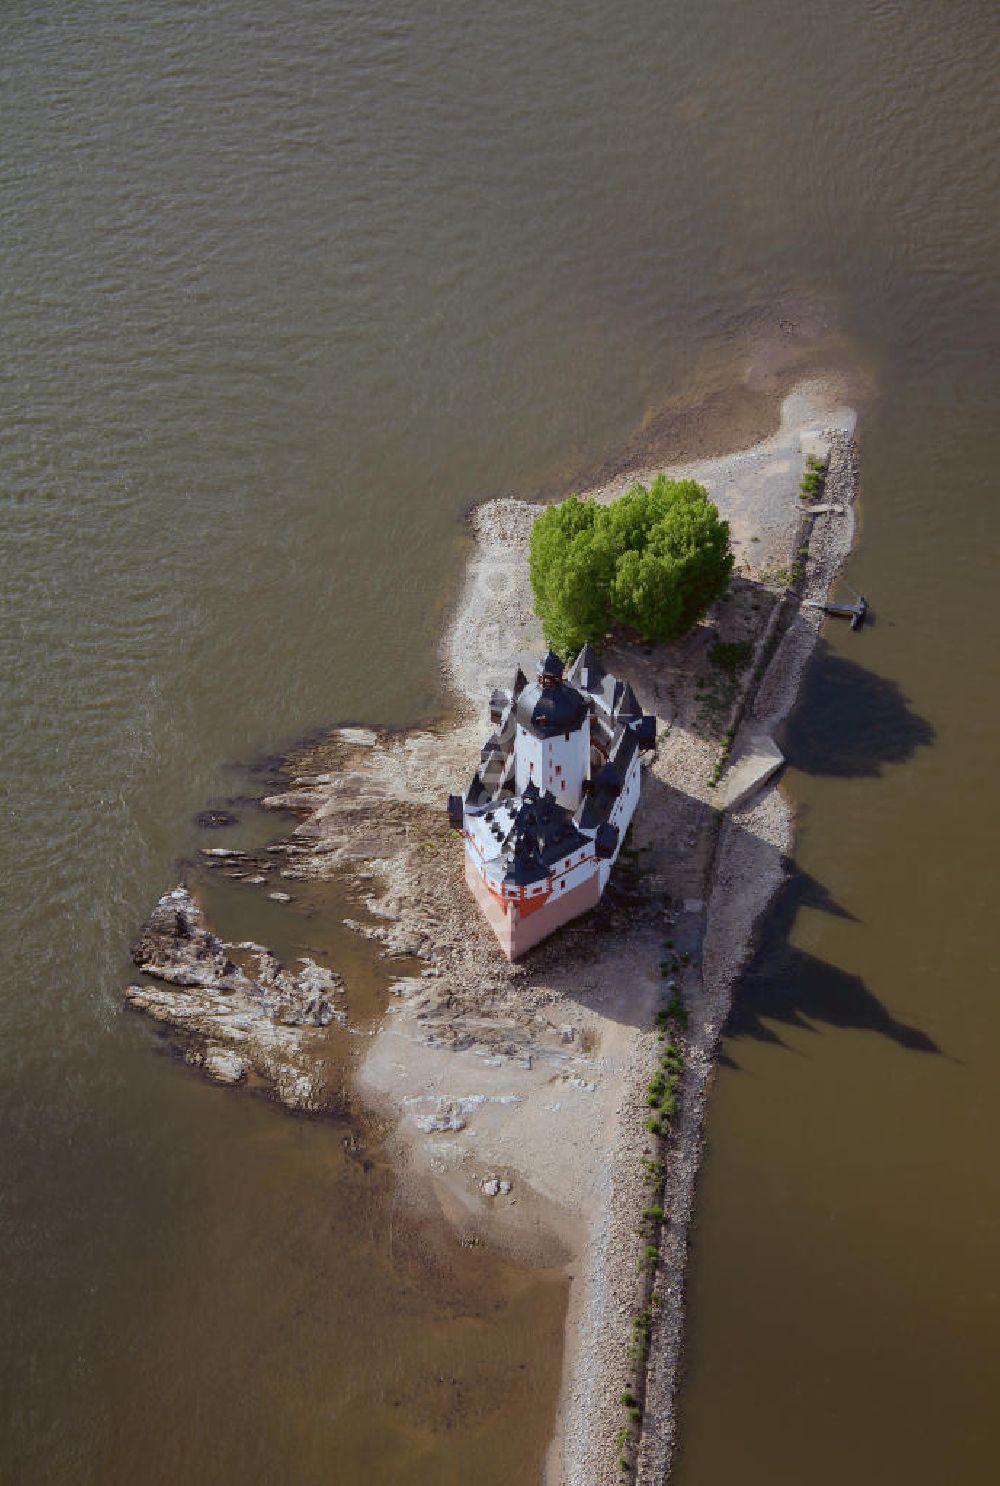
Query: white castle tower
(552, 736)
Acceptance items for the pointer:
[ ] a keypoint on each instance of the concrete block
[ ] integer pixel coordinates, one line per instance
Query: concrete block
(759, 758)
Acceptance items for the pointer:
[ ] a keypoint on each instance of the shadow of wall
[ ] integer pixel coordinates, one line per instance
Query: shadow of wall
(785, 986)
(849, 722)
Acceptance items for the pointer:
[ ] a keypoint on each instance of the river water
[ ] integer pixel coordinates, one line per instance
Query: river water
(282, 291)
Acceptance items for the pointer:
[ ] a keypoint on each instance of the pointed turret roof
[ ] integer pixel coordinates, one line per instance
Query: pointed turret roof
(550, 705)
(587, 670)
(628, 707)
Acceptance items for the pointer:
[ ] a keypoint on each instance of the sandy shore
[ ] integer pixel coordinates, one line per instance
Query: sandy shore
(517, 1093)
(534, 1075)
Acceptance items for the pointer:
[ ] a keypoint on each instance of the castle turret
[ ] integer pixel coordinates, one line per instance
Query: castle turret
(553, 735)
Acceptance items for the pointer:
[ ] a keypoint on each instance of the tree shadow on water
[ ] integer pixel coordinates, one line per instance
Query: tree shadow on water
(849, 722)
(785, 985)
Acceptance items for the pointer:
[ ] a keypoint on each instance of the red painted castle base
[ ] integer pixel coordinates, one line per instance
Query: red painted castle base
(517, 932)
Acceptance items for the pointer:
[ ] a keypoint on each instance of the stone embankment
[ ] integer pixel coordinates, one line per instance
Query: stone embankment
(747, 868)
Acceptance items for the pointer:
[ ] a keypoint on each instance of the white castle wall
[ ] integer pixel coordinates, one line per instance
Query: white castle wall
(621, 814)
(560, 764)
(530, 760)
(566, 877)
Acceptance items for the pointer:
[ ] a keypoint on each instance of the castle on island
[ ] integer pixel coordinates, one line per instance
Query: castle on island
(547, 810)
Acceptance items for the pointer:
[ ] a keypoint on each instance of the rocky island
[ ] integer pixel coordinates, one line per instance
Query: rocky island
(551, 1105)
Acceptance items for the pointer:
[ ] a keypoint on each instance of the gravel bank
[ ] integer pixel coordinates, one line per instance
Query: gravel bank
(747, 871)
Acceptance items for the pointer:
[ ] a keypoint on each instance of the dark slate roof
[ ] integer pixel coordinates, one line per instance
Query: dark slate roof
(477, 794)
(628, 707)
(597, 804)
(551, 665)
(609, 689)
(586, 670)
(602, 731)
(522, 863)
(622, 751)
(547, 710)
(495, 771)
(593, 811)
(520, 682)
(609, 777)
(542, 834)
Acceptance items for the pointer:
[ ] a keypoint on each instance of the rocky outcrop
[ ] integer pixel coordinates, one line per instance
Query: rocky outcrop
(240, 1012)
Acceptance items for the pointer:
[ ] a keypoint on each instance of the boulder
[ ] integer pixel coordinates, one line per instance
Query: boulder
(495, 1186)
(224, 1065)
(214, 820)
(756, 761)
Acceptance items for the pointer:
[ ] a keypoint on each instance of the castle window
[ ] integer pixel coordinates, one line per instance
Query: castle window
(558, 768)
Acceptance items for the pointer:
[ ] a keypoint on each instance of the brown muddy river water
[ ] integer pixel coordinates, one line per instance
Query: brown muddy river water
(283, 289)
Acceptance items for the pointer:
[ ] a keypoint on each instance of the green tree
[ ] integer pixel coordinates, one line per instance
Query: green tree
(653, 561)
(570, 574)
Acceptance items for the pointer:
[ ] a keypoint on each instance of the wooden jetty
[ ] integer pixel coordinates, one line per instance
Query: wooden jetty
(855, 612)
